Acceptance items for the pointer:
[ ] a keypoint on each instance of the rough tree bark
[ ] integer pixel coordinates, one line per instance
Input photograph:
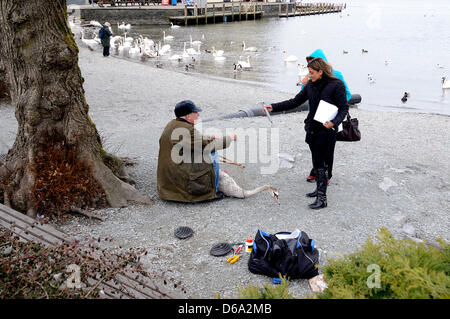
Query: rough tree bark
(41, 60)
(4, 86)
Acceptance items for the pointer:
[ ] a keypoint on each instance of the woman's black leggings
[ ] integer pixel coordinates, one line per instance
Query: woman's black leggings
(105, 51)
(322, 149)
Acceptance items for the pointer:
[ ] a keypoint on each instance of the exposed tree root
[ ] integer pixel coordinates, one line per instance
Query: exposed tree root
(66, 181)
(84, 213)
(129, 161)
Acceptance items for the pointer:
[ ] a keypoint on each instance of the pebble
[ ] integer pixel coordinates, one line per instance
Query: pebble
(387, 183)
(399, 218)
(409, 230)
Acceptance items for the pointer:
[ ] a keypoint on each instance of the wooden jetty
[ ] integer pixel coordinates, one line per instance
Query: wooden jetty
(304, 9)
(216, 12)
(126, 285)
(200, 12)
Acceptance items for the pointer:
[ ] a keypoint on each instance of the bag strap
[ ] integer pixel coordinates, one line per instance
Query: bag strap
(349, 117)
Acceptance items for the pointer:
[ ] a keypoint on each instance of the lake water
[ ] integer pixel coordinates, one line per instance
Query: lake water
(412, 36)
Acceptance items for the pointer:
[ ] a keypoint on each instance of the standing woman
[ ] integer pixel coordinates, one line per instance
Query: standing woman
(320, 137)
(106, 38)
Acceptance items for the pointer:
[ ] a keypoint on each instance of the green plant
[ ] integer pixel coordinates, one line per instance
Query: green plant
(407, 270)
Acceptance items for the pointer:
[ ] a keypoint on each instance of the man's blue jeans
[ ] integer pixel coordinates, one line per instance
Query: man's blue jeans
(215, 160)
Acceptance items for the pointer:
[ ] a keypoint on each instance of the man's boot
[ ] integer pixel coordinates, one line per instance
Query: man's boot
(322, 183)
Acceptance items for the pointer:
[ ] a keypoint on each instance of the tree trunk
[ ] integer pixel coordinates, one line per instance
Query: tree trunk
(4, 86)
(57, 160)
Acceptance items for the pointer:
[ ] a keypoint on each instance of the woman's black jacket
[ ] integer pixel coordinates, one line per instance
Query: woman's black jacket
(329, 90)
(106, 36)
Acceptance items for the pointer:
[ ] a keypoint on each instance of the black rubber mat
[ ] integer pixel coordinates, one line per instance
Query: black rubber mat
(183, 232)
(221, 249)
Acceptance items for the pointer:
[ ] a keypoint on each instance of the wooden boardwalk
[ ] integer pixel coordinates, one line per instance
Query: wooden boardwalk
(308, 9)
(238, 11)
(225, 12)
(125, 285)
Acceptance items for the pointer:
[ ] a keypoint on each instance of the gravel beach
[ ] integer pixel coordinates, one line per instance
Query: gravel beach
(397, 176)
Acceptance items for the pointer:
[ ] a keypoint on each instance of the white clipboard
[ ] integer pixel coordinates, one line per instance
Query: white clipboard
(325, 112)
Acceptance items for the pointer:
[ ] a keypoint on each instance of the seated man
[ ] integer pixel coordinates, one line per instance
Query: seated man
(187, 163)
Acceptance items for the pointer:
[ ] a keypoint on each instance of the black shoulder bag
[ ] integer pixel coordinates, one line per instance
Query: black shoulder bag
(350, 130)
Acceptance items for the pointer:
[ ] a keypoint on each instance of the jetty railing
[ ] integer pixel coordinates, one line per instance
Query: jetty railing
(220, 12)
(117, 3)
(301, 9)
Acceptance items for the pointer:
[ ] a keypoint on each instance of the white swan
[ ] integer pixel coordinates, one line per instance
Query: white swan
(89, 42)
(218, 55)
(193, 52)
(127, 39)
(124, 26)
(167, 38)
(113, 40)
(445, 83)
(174, 26)
(175, 57)
(185, 54)
(164, 49)
(218, 52)
(148, 43)
(124, 48)
(95, 23)
(244, 64)
(150, 52)
(250, 49)
(230, 188)
(194, 42)
(135, 50)
(289, 58)
(97, 39)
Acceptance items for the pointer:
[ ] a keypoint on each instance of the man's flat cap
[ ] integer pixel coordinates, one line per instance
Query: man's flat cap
(186, 107)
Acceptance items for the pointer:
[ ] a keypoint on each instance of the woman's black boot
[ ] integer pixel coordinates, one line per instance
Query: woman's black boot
(322, 183)
(320, 202)
(313, 194)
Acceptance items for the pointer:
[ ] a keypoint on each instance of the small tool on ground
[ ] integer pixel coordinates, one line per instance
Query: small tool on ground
(235, 258)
